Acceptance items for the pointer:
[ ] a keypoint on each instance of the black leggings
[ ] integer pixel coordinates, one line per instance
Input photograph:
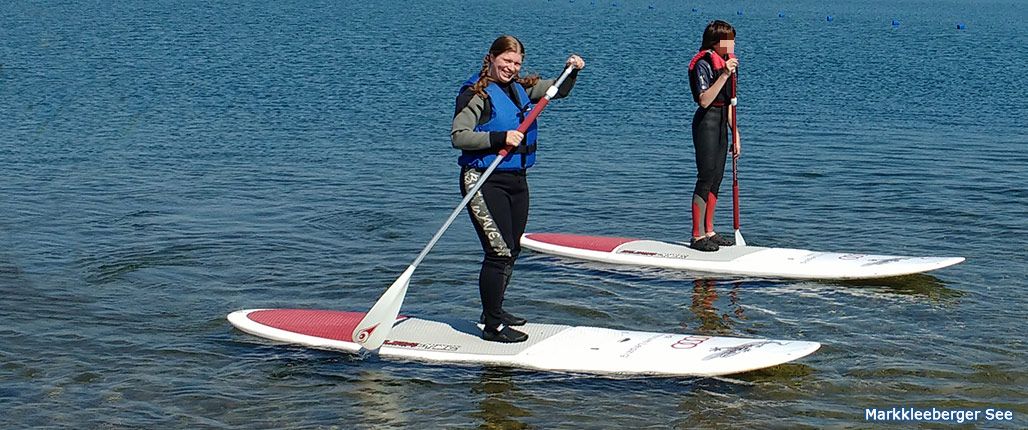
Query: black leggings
(499, 212)
(710, 137)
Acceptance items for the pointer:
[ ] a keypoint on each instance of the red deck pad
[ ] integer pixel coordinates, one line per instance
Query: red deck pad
(592, 243)
(335, 325)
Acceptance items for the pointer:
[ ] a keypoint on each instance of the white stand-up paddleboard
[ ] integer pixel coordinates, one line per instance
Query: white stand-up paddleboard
(549, 347)
(733, 260)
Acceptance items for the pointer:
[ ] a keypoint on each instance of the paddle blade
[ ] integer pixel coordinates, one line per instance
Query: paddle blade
(738, 238)
(372, 331)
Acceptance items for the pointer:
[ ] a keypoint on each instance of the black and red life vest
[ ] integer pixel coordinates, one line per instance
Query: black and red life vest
(718, 64)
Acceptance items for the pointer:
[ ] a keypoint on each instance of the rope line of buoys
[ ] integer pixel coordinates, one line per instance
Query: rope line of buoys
(781, 14)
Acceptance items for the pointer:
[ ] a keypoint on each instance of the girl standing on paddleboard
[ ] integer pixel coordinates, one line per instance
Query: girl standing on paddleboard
(712, 80)
(491, 105)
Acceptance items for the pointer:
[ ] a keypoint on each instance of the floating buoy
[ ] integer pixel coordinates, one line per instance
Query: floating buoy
(895, 23)
(781, 14)
(651, 6)
(695, 10)
(961, 26)
(739, 13)
(829, 18)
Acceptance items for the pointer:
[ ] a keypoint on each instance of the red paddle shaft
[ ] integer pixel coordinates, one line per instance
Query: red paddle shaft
(538, 108)
(735, 157)
(735, 193)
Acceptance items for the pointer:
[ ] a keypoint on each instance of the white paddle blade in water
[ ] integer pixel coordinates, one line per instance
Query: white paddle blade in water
(372, 331)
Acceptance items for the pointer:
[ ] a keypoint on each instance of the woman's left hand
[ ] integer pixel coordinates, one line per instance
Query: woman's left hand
(736, 145)
(575, 61)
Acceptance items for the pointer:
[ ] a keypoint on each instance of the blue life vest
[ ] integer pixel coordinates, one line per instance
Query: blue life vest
(504, 114)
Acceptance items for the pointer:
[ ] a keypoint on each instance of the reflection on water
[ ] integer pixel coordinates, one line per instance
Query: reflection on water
(380, 398)
(713, 320)
(496, 389)
(920, 284)
(785, 373)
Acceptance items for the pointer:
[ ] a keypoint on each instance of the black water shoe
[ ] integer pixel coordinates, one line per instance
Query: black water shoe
(721, 240)
(704, 244)
(507, 318)
(503, 334)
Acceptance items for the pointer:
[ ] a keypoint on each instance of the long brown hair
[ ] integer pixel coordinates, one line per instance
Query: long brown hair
(716, 31)
(502, 44)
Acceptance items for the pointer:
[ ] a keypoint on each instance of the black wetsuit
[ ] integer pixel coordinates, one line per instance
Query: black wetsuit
(500, 210)
(710, 136)
(499, 213)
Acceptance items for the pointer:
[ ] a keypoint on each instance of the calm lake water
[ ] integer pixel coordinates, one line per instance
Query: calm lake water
(163, 164)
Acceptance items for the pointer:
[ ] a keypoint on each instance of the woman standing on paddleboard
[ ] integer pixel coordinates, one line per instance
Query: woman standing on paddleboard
(491, 105)
(712, 80)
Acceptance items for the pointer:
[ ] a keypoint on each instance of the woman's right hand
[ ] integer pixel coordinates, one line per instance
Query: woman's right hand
(732, 64)
(575, 61)
(514, 137)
